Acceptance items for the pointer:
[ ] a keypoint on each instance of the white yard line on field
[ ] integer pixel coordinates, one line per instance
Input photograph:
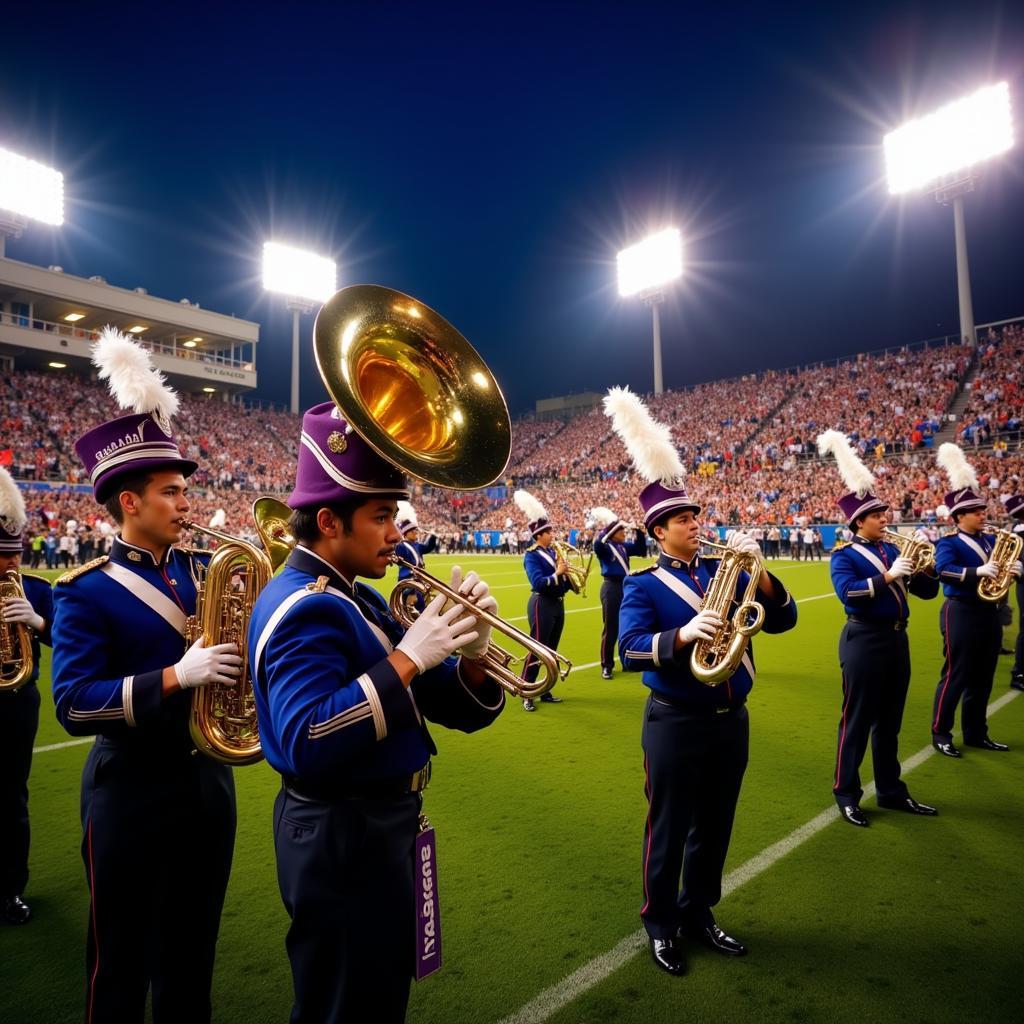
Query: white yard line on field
(560, 995)
(61, 746)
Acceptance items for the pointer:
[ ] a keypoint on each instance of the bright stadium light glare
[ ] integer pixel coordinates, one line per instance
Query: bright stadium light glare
(30, 189)
(655, 261)
(298, 274)
(953, 138)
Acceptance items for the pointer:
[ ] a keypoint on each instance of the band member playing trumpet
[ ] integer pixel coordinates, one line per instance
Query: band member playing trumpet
(871, 578)
(27, 605)
(695, 736)
(158, 822)
(1015, 508)
(342, 693)
(548, 574)
(613, 552)
(970, 625)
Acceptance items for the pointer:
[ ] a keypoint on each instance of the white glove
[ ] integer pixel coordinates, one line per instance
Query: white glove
(203, 665)
(701, 627)
(19, 609)
(901, 567)
(1017, 569)
(989, 570)
(747, 545)
(436, 634)
(479, 593)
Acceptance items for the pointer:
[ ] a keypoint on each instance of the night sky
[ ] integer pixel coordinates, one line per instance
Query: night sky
(490, 159)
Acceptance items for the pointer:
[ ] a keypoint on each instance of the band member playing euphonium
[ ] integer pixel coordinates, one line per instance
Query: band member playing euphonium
(970, 625)
(1015, 508)
(158, 822)
(695, 736)
(871, 578)
(549, 583)
(26, 612)
(613, 553)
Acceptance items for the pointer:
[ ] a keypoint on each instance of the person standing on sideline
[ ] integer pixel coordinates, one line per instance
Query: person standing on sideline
(695, 737)
(872, 580)
(19, 708)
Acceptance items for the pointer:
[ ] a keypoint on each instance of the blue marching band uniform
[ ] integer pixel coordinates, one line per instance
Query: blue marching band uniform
(614, 557)
(1015, 506)
(545, 607)
(413, 551)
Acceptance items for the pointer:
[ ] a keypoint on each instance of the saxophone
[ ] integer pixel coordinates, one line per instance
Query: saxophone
(1006, 551)
(16, 662)
(715, 660)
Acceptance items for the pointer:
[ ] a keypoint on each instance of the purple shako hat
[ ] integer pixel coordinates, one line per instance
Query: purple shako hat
(856, 505)
(1015, 506)
(335, 463)
(659, 499)
(135, 443)
(964, 500)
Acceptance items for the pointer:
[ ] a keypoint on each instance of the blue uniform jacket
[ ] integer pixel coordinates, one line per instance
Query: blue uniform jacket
(614, 558)
(540, 568)
(651, 615)
(957, 558)
(110, 646)
(331, 708)
(40, 596)
(858, 578)
(413, 551)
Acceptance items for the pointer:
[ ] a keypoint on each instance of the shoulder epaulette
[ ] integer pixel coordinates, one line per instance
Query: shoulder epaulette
(840, 544)
(532, 547)
(646, 568)
(73, 574)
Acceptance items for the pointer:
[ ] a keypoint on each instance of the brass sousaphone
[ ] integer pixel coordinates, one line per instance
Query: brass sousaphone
(418, 393)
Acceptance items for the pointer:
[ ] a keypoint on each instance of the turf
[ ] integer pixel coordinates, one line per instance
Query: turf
(539, 822)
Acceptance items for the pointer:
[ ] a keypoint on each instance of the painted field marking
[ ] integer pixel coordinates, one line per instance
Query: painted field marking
(61, 746)
(570, 988)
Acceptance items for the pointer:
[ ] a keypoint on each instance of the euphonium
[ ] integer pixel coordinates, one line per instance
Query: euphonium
(1006, 551)
(496, 660)
(578, 569)
(16, 663)
(919, 550)
(223, 718)
(715, 660)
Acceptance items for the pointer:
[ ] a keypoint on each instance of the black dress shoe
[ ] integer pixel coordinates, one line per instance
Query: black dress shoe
(854, 815)
(987, 744)
(16, 911)
(947, 749)
(606, 673)
(666, 955)
(1017, 682)
(550, 698)
(714, 938)
(910, 805)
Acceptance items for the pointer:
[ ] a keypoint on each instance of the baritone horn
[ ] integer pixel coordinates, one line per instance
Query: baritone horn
(1006, 551)
(577, 568)
(919, 550)
(418, 393)
(16, 661)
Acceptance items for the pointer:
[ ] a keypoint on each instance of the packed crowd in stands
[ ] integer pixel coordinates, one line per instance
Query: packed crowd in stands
(747, 445)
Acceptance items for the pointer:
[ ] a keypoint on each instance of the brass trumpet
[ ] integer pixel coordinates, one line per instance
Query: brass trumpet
(497, 662)
(16, 662)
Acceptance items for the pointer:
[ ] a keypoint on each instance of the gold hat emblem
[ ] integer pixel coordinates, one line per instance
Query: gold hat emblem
(337, 442)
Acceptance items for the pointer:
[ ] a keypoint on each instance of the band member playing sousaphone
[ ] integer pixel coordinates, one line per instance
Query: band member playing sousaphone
(695, 735)
(158, 822)
(872, 578)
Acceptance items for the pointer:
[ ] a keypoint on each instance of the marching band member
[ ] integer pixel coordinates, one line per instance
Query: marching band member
(970, 626)
(613, 552)
(410, 547)
(19, 709)
(871, 579)
(342, 692)
(158, 822)
(695, 737)
(549, 582)
(1015, 508)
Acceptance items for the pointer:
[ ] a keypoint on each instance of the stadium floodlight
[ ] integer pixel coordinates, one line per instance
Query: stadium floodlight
(28, 191)
(306, 280)
(939, 153)
(646, 268)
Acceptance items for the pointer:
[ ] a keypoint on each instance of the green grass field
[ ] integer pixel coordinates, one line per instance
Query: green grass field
(539, 824)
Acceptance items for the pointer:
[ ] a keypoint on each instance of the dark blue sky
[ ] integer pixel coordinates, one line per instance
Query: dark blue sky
(491, 158)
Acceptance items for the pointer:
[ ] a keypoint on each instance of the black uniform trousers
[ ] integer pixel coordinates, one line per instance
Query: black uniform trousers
(611, 601)
(875, 660)
(546, 616)
(159, 831)
(1018, 661)
(345, 870)
(694, 765)
(19, 720)
(972, 636)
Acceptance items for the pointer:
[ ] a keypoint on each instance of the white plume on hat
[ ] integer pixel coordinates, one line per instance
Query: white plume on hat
(135, 383)
(601, 516)
(855, 474)
(941, 511)
(958, 470)
(12, 504)
(648, 442)
(218, 519)
(406, 513)
(530, 506)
